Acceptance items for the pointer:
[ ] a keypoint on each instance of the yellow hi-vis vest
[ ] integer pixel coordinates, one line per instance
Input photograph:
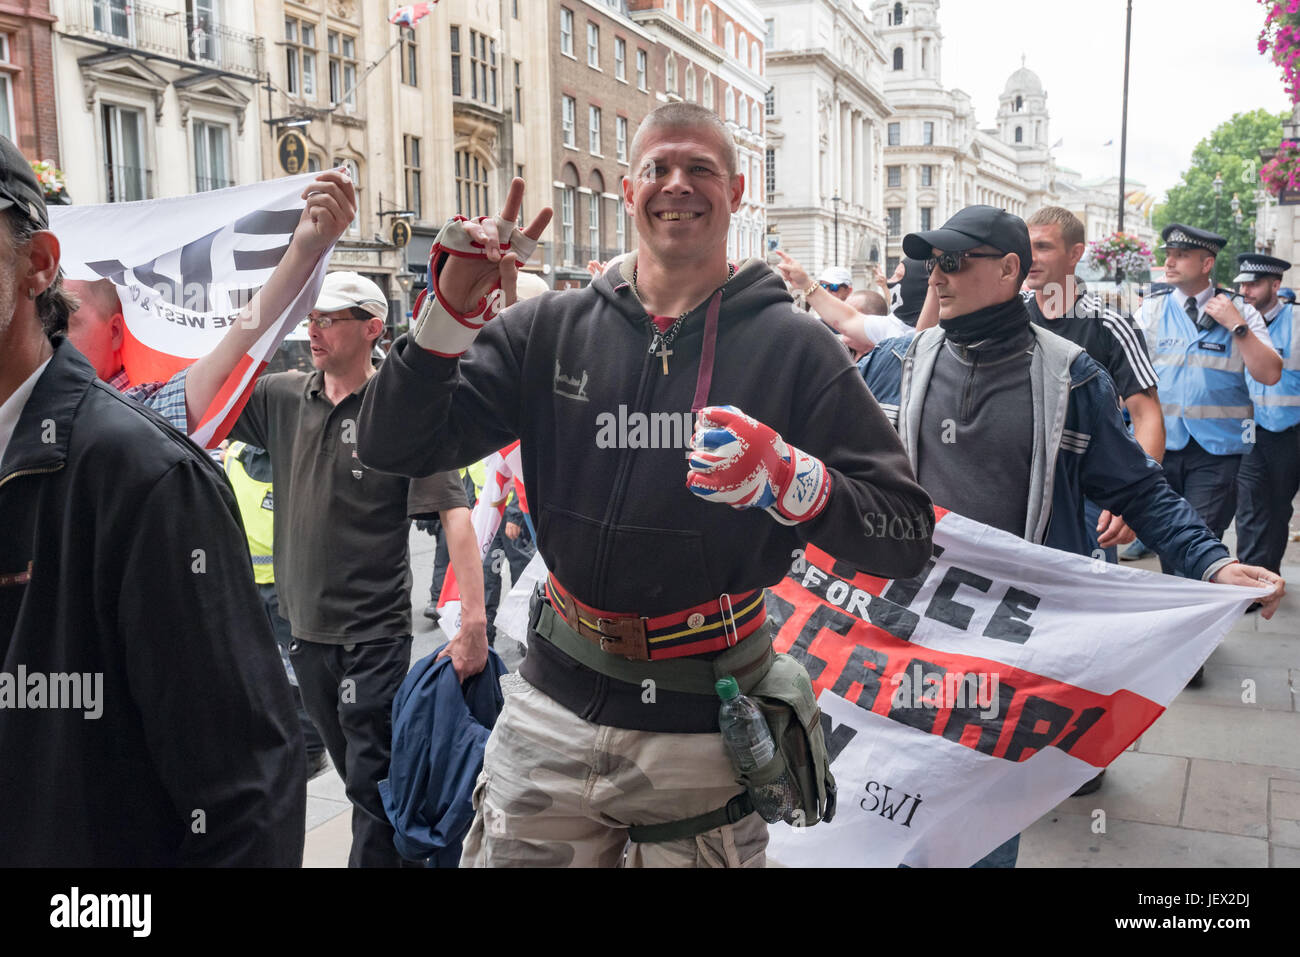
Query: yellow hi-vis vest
(256, 505)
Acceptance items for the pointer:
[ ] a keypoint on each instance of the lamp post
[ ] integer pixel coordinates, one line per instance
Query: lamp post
(405, 280)
(1218, 191)
(836, 201)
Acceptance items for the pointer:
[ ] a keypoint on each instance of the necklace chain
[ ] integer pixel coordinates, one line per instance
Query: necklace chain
(664, 339)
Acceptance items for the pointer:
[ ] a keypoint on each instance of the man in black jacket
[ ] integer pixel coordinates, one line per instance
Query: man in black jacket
(145, 719)
(614, 723)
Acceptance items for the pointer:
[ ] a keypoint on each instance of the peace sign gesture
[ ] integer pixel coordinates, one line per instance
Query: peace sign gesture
(466, 279)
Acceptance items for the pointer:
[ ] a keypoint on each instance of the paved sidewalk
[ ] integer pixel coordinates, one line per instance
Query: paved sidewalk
(1215, 782)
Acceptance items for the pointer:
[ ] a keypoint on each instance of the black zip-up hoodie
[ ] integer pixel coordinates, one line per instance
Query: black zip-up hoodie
(604, 436)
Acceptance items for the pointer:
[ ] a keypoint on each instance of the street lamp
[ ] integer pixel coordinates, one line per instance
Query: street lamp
(836, 200)
(405, 280)
(1218, 191)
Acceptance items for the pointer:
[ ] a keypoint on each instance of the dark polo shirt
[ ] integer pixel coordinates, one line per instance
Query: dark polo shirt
(342, 567)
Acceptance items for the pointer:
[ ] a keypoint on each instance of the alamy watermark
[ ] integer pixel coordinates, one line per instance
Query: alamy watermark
(57, 690)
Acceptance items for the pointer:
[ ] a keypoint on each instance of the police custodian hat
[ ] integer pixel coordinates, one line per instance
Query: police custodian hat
(1178, 236)
(1254, 266)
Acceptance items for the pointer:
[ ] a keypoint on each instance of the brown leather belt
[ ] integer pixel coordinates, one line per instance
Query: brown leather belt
(711, 626)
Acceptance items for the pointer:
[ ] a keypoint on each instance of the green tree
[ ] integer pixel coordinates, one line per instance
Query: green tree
(1231, 151)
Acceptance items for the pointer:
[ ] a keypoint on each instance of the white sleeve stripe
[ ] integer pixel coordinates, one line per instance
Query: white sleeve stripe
(1137, 357)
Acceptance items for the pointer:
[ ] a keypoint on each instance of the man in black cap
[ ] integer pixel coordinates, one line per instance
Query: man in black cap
(959, 394)
(1270, 471)
(1203, 346)
(152, 724)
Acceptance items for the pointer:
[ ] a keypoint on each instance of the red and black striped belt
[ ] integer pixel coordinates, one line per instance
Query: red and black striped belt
(712, 626)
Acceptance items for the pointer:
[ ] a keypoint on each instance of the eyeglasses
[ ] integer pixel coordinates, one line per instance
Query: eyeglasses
(832, 286)
(952, 262)
(324, 322)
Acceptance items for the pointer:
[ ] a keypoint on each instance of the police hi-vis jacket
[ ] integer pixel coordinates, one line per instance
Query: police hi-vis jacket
(1081, 449)
(1203, 392)
(1277, 407)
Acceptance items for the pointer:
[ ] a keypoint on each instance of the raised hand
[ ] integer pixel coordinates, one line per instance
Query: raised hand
(331, 206)
(792, 272)
(469, 276)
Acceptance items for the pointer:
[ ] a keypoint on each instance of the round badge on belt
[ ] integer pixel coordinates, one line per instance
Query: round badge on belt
(695, 621)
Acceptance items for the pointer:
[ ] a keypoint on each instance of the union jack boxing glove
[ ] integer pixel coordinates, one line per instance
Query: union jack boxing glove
(739, 461)
(438, 326)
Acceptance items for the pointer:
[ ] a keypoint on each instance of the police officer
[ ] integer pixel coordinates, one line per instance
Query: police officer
(1203, 345)
(1270, 471)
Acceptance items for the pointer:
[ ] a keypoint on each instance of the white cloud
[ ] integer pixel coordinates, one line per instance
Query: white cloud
(1193, 64)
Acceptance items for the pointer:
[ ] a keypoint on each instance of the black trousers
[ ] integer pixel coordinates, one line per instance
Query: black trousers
(1266, 485)
(348, 691)
(284, 639)
(1208, 482)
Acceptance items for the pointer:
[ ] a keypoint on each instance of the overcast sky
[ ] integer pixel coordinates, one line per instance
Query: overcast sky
(1194, 64)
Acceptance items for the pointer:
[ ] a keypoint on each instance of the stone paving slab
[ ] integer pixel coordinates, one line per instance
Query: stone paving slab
(1137, 787)
(1225, 685)
(1057, 840)
(1232, 798)
(1225, 734)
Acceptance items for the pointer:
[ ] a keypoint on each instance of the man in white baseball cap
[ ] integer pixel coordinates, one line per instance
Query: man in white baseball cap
(351, 290)
(836, 280)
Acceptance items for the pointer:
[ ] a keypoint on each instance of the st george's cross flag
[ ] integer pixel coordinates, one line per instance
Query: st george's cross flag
(961, 705)
(184, 268)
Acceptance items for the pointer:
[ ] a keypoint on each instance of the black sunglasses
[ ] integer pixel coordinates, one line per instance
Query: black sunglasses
(952, 262)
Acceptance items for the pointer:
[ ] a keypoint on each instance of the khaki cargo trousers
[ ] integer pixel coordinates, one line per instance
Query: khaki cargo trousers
(558, 791)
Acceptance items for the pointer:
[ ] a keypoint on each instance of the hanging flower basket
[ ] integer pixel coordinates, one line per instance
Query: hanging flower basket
(52, 182)
(1282, 172)
(1116, 252)
(1280, 39)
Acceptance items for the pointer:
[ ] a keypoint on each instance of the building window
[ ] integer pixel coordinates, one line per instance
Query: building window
(688, 13)
(898, 58)
(690, 83)
(729, 106)
(1019, 104)
(670, 73)
(411, 161)
(354, 171)
(593, 130)
(770, 39)
(113, 17)
(620, 138)
(895, 136)
(893, 176)
(708, 91)
(927, 218)
(755, 123)
(742, 51)
(211, 156)
(568, 120)
(706, 24)
(566, 223)
(455, 61)
(410, 72)
(566, 31)
(514, 9)
(519, 90)
(895, 214)
(6, 92)
(343, 69)
(593, 224)
(927, 175)
(729, 38)
(755, 56)
(620, 58)
(299, 58)
(124, 163)
(927, 134)
(593, 45)
(1020, 134)
(471, 186)
(620, 227)
(641, 66)
(482, 68)
(769, 101)
(770, 176)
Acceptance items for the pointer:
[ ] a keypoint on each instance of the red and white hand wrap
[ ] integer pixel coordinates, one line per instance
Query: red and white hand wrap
(438, 326)
(739, 461)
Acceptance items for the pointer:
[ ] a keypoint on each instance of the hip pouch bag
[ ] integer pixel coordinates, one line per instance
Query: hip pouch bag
(785, 696)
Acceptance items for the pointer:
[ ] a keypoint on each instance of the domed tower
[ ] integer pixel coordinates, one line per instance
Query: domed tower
(1022, 111)
(909, 32)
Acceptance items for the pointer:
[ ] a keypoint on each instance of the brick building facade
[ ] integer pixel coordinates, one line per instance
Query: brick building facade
(27, 101)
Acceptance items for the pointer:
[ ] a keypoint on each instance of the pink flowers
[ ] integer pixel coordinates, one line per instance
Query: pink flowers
(50, 177)
(1281, 34)
(1119, 251)
(1282, 172)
